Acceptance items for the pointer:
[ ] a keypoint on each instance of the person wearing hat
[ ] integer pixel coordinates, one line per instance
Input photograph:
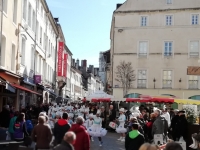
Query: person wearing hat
(182, 126)
(103, 116)
(120, 129)
(174, 122)
(96, 129)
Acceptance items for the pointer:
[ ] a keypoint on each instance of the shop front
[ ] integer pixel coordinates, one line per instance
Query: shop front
(8, 93)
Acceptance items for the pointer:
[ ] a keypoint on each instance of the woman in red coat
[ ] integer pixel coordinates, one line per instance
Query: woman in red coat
(82, 137)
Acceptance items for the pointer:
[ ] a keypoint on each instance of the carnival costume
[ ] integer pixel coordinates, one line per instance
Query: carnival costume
(120, 128)
(96, 129)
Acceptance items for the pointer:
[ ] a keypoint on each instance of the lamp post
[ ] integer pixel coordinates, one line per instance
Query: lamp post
(154, 80)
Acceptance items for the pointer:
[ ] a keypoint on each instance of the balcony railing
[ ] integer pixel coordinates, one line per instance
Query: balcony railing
(142, 54)
(141, 83)
(194, 54)
(193, 84)
(167, 84)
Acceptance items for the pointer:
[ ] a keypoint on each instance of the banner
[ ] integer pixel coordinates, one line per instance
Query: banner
(60, 53)
(65, 65)
(37, 79)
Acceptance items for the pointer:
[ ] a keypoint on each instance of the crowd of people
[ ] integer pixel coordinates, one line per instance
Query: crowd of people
(64, 126)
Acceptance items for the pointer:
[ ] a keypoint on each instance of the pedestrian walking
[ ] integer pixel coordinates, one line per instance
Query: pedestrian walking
(67, 142)
(42, 134)
(60, 128)
(134, 139)
(82, 140)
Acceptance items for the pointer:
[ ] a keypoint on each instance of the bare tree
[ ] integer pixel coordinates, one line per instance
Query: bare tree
(125, 75)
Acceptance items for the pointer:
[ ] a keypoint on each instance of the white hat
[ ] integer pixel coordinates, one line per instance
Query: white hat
(57, 113)
(98, 112)
(121, 110)
(135, 115)
(91, 115)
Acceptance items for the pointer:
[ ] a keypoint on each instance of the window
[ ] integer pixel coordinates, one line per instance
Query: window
(168, 20)
(143, 21)
(5, 2)
(40, 35)
(24, 9)
(44, 41)
(142, 49)
(32, 58)
(15, 11)
(33, 21)
(167, 79)
(23, 51)
(193, 82)
(142, 79)
(169, 1)
(195, 19)
(194, 49)
(37, 30)
(168, 49)
(13, 58)
(29, 15)
(41, 11)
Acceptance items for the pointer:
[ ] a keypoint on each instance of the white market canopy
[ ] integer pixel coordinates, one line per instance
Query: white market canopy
(98, 96)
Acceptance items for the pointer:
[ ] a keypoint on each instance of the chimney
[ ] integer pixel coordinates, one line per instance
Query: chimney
(77, 62)
(77, 65)
(118, 5)
(95, 71)
(73, 62)
(84, 65)
(91, 68)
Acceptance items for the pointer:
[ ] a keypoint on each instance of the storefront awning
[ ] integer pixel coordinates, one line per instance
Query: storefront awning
(29, 83)
(25, 89)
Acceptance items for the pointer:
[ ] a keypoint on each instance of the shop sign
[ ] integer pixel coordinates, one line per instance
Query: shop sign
(65, 65)
(60, 54)
(37, 79)
(192, 70)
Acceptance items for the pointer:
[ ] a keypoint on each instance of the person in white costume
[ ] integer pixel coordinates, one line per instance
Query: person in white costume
(96, 129)
(88, 123)
(120, 129)
(166, 115)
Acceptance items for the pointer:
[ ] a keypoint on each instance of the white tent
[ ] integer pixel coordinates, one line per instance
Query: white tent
(99, 95)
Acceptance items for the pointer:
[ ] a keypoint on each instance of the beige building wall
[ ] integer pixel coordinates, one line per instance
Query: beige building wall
(11, 18)
(127, 33)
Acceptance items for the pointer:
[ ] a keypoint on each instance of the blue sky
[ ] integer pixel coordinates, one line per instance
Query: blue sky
(86, 25)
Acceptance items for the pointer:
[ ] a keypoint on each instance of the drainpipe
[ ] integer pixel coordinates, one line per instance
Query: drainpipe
(1, 31)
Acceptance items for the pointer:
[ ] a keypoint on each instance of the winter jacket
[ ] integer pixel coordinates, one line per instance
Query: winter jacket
(42, 135)
(64, 146)
(160, 126)
(20, 130)
(4, 118)
(134, 140)
(11, 125)
(82, 137)
(29, 126)
(60, 128)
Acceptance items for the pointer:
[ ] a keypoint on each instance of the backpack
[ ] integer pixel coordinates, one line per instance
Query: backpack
(29, 125)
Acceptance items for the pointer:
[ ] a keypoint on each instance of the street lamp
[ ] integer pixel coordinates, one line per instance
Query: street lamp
(154, 80)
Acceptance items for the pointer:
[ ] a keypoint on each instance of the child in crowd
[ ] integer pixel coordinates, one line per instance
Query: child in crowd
(88, 123)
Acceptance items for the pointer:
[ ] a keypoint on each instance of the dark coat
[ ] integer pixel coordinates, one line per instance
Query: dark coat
(112, 116)
(182, 127)
(103, 116)
(134, 143)
(4, 118)
(64, 146)
(60, 128)
(127, 114)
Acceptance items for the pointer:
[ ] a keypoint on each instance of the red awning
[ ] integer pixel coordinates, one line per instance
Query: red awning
(162, 100)
(25, 89)
(141, 100)
(101, 100)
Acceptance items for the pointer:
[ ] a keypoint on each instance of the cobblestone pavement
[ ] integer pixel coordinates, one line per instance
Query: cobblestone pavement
(110, 142)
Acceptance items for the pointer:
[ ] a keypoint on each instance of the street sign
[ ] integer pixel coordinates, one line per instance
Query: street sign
(193, 70)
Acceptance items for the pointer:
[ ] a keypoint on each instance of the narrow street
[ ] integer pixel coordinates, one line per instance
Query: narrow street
(110, 142)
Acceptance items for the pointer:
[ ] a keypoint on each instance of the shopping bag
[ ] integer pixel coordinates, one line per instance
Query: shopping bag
(8, 136)
(158, 139)
(113, 125)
